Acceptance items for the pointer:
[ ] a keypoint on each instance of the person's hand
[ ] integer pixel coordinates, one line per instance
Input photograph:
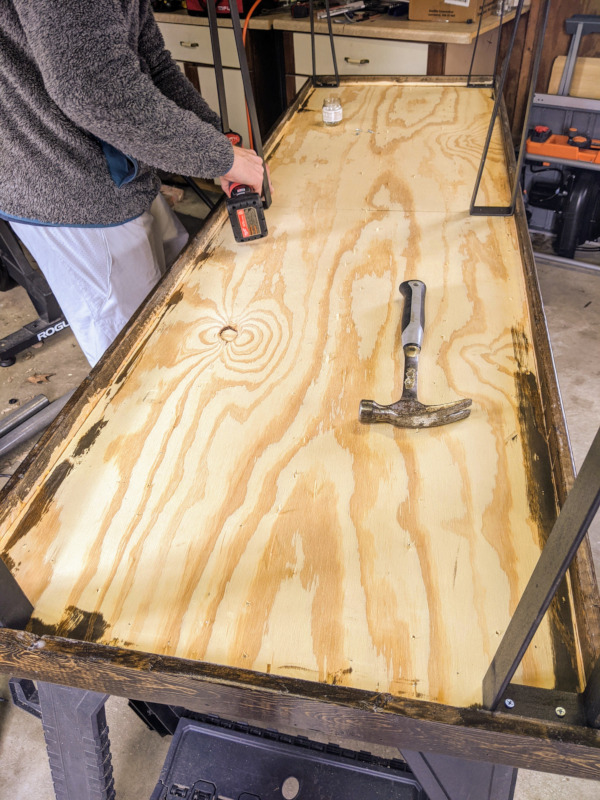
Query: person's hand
(247, 168)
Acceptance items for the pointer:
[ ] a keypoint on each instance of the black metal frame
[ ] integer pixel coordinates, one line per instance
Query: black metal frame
(246, 81)
(315, 80)
(477, 35)
(201, 194)
(15, 608)
(50, 317)
(507, 211)
(567, 534)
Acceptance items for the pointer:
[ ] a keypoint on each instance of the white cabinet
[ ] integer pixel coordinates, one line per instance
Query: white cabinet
(191, 44)
(234, 92)
(360, 56)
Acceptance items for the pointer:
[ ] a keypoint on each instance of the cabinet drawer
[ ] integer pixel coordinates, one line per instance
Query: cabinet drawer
(192, 43)
(356, 56)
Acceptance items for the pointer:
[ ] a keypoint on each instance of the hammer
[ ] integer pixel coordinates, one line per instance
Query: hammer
(408, 412)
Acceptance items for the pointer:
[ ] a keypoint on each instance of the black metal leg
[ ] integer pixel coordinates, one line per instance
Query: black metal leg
(559, 551)
(449, 778)
(76, 736)
(15, 608)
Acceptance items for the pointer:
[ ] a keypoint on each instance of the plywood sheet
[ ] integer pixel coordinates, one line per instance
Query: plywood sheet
(222, 502)
(586, 77)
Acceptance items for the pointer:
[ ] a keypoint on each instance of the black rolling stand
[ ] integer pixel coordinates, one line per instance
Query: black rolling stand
(16, 269)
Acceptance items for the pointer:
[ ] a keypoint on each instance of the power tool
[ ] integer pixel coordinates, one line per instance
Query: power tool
(245, 207)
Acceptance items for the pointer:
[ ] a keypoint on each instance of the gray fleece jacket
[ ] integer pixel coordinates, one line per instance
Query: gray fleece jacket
(91, 104)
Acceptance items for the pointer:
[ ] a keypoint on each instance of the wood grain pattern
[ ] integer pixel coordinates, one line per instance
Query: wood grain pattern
(586, 77)
(222, 502)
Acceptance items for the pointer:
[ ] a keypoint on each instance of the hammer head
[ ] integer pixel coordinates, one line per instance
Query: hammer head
(409, 413)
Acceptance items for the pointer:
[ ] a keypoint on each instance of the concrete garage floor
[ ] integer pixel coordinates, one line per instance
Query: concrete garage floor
(572, 302)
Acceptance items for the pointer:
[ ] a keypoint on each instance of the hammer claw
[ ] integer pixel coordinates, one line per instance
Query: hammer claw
(408, 412)
(412, 414)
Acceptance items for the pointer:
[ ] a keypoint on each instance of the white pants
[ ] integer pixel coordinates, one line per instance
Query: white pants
(100, 276)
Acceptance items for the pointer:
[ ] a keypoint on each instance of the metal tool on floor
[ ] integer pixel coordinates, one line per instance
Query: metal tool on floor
(16, 269)
(408, 412)
(22, 414)
(33, 423)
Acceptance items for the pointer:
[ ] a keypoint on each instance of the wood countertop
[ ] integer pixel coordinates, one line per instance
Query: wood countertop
(381, 27)
(384, 27)
(183, 18)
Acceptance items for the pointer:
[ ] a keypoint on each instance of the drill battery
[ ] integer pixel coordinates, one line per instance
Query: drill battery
(246, 214)
(245, 208)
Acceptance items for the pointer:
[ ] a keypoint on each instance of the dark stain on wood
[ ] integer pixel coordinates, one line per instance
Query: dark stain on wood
(10, 563)
(303, 105)
(206, 253)
(130, 364)
(40, 504)
(336, 677)
(76, 624)
(540, 485)
(275, 149)
(541, 500)
(175, 298)
(88, 439)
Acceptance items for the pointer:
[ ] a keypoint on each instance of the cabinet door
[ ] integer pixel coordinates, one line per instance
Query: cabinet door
(234, 94)
(358, 56)
(192, 43)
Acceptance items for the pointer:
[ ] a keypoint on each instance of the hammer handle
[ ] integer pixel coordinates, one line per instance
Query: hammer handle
(413, 315)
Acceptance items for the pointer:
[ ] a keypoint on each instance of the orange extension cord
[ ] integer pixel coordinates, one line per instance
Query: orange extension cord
(244, 32)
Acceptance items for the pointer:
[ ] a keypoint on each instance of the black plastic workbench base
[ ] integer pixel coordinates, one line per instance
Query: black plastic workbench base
(209, 761)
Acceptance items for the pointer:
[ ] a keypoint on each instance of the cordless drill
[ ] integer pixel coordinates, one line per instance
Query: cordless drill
(245, 207)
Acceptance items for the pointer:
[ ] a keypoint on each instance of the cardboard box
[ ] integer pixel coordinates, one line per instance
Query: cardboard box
(449, 10)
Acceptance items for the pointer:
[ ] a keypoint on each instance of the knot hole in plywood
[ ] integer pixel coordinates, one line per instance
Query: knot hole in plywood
(228, 333)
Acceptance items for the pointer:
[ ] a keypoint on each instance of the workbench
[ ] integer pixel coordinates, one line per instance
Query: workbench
(208, 524)
(279, 53)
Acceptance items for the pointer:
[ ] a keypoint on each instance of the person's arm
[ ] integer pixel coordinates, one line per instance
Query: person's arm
(165, 73)
(95, 78)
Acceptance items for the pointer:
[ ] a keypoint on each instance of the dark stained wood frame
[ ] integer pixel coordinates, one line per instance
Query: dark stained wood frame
(582, 576)
(291, 705)
(296, 706)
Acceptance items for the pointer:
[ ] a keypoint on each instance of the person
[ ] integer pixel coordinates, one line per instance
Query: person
(91, 105)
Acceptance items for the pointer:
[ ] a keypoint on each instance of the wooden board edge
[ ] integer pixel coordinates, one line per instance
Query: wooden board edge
(415, 31)
(477, 81)
(583, 586)
(295, 706)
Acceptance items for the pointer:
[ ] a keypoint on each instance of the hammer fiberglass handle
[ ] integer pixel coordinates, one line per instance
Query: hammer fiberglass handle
(413, 315)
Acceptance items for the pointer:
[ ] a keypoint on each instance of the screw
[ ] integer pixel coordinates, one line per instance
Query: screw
(509, 703)
(560, 712)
